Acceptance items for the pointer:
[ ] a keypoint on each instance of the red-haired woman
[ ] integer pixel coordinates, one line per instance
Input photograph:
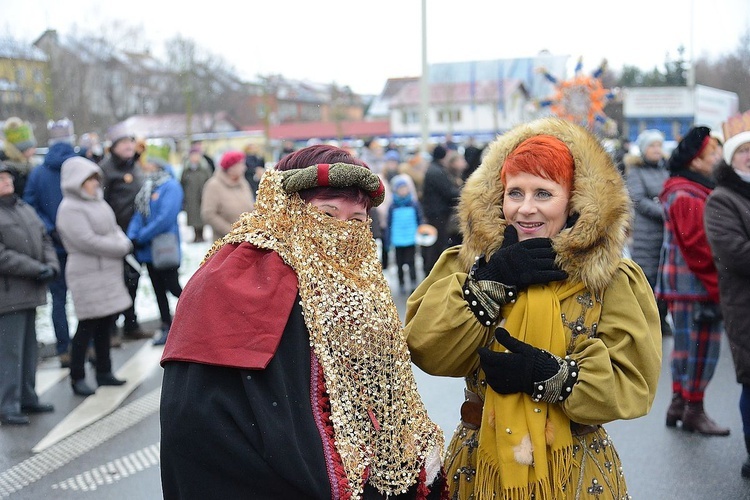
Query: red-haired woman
(554, 332)
(285, 372)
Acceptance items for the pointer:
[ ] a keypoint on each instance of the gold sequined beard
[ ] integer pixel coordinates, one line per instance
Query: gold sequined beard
(378, 417)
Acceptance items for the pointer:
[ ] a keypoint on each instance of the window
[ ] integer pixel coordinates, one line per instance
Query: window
(449, 115)
(409, 117)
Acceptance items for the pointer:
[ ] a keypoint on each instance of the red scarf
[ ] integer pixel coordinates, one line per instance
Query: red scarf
(233, 310)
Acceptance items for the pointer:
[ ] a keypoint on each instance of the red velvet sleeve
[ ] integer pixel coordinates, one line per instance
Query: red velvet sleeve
(233, 310)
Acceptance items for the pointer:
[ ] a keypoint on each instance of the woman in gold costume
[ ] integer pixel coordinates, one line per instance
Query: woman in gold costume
(286, 373)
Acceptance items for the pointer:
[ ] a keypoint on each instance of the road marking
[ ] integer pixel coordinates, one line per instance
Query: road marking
(107, 398)
(68, 449)
(113, 471)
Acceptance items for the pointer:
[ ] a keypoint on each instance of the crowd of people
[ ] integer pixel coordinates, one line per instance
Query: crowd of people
(552, 274)
(108, 215)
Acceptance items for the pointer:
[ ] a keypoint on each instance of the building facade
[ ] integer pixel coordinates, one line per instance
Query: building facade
(673, 110)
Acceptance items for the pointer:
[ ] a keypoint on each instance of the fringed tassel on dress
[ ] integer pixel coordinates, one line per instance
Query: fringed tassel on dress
(489, 484)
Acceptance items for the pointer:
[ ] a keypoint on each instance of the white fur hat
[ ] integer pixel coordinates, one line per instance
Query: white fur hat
(648, 137)
(733, 143)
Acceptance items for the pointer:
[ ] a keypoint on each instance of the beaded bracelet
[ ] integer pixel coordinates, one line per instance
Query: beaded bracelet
(558, 387)
(485, 297)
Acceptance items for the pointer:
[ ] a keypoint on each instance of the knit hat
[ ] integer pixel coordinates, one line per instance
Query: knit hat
(438, 153)
(336, 175)
(158, 162)
(648, 137)
(19, 133)
(733, 143)
(231, 158)
(119, 132)
(158, 151)
(397, 182)
(4, 168)
(689, 148)
(60, 131)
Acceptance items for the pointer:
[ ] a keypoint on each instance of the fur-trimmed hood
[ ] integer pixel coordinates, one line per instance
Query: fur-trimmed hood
(591, 250)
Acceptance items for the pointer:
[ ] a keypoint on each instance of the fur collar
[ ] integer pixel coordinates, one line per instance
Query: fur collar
(591, 250)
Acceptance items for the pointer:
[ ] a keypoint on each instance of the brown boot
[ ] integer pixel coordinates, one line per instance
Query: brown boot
(675, 410)
(64, 360)
(695, 420)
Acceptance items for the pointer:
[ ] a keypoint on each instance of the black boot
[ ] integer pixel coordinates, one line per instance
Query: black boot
(14, 419)
(108, 379)
(745, 471)
(81, 388)
(675, 410)
(695, 420)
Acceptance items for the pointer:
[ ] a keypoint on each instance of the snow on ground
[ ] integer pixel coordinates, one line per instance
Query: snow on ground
(145, 301)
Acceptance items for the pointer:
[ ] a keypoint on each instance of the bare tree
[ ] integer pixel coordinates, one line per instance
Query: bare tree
(201, 83)
(730, 72)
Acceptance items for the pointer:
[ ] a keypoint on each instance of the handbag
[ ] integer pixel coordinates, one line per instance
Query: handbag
(165, 251)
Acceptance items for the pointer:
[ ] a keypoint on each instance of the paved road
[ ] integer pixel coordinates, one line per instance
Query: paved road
(115, 456)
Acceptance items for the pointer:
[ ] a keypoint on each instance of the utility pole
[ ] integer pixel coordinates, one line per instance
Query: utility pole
(691, 70)
(424, 87)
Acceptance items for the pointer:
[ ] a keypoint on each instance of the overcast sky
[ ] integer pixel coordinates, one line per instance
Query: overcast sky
(361, 43)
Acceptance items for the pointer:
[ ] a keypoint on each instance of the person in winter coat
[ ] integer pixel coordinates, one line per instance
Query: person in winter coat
(646, 174)
(157, 206)
(89, 146)
(96, 246)
(688, 281)
(256, 167)
(195, 174)
(122, 178)
(404, 217)
(439, 198)
(43, 192)
(19, 149)
(27, 263)
(553, 330)
(285, 373)
(727, 223)
(227, 194)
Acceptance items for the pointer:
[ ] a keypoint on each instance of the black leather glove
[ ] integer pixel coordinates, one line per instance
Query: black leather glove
(530, 262)
(518, 370)
(46, 274)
